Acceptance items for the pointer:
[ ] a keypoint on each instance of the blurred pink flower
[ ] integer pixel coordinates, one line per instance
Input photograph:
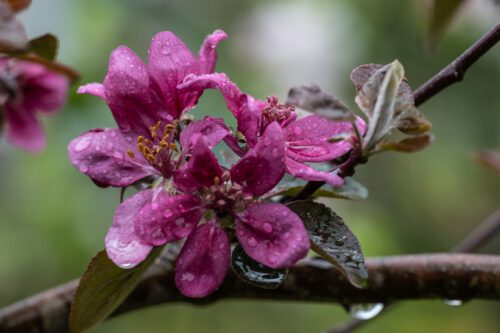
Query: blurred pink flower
(26, 89)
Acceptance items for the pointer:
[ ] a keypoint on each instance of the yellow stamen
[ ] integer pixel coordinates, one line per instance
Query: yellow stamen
(130, 153)
(173, 146)
(151, 158)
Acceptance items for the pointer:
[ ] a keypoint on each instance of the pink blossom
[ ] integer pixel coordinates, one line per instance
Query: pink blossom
(25, 89)
(306, 140)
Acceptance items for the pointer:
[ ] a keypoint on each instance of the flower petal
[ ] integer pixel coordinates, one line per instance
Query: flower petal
(126, 90)
(95, 89)
(307, 138)
(102, 155)
(123, 247)
(43, 90)
(208, 54)
(303, 171)
(203, 261)
(200, 170)
(170, 60)
(272, 234)
(168, 218)
(264, 165)
(213, 129)
(23, 129)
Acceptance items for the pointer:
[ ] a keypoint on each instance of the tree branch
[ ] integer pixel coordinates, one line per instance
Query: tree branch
(451, 276)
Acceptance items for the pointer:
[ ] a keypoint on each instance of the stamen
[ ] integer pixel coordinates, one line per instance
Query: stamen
(130, 153)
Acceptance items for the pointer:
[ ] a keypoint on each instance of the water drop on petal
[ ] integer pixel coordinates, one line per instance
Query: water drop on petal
(365, 311)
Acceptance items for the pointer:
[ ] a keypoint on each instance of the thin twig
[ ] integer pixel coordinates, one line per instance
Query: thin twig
(452, 276)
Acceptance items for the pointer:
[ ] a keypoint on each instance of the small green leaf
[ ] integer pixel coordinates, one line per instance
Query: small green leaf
(441, 13)
(332, 239)
(351, 190)
(103, 287)
(409, 145)
(45, 46)
(312, 98)
(255, 273)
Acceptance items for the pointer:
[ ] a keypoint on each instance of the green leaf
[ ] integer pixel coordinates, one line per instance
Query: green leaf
(255, 273)
(409, 145)
(312, 98)
(377, 99)
(103, 287)
(351, 190)
(441, 13)
(332, 240)
(45, 46)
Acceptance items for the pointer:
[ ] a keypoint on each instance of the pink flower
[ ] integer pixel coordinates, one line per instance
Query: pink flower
(270, 233)
(306, 140)
(25, 89)
(144, 100)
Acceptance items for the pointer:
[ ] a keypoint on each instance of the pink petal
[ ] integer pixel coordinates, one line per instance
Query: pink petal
(203, 261)
(123, 247)
(44, 92)
(168, 218)
(272, 234)
(208, 54)
(264, 165)
(23, 129)
(200, 170)
(126, 90)
(170, 60)
(95, 89)
(102, 155)
(303, 171)
(212, 129)
(307, 139)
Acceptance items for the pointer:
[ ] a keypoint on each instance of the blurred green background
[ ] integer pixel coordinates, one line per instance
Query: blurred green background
(53, 219)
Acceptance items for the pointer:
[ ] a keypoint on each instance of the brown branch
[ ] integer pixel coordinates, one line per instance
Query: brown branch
(452, 276)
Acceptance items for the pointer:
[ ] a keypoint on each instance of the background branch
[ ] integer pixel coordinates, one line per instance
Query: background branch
(451, 276)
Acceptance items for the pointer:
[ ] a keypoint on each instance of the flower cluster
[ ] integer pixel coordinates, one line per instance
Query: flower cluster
(190, 194)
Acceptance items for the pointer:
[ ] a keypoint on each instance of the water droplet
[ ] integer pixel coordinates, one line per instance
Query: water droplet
(267, 227)
(167, 213)
(297, 130)
(165, 49)
(365, 311)
(187, 277)
(83, 168)
(83, 144)
(252, 242)
(453, 302)
(155, 206)
(126, 265)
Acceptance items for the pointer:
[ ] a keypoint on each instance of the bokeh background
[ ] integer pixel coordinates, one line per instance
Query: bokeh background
(53, 219)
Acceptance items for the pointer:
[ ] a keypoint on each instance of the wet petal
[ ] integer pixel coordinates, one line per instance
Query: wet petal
(102, 154)
(126, 89)
(272, 234)
(95, 89)
(212, 129)
(208, 54)
(23, 129)
(123, 247)
(200, 170)
(203, 261)
(170, 60)
(168, 218)
(303, 171)
(264, 165)
(307, 138)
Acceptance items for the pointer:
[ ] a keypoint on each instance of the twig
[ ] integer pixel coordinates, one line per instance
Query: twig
(451, 276)
(451, 74)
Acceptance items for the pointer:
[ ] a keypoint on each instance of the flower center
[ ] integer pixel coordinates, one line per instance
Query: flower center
(275, 111)
(158, 148)
(225, 197)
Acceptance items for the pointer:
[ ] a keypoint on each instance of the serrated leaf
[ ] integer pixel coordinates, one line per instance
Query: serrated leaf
(333, 240)
(404, 100)
(413, 122)
(377, 100)
(409, 145)
(44, 46)
(441, 13)
(13, 37)
(351, 190)
(103, 287)
(255, 273)
(312, 98)
(490, 159)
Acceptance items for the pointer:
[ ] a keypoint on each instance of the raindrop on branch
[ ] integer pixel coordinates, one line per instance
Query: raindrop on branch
(365, 311)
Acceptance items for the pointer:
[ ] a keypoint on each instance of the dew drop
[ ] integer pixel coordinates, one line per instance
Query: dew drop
(267, 227)
(126, 265)
(84, 168)
(365, 311)
(252, 242)
(82, 144)
(297, 131)
(453, 302)
(165, 49)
